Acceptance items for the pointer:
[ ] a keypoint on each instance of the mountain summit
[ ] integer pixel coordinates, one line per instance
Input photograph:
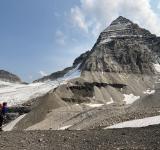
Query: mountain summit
(122, 27)
(123, 47)
(121, 20)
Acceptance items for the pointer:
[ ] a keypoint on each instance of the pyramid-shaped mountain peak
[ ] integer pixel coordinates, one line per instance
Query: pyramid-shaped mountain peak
(121, 20)
(121, 24)
(123, 27)
(122, 47)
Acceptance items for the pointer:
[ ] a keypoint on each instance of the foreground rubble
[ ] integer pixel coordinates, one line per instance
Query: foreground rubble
(137, 138)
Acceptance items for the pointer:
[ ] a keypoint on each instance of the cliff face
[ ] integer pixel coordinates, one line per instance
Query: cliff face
(123, 47)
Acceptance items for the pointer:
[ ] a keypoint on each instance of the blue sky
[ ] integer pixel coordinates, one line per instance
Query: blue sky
(38, 37)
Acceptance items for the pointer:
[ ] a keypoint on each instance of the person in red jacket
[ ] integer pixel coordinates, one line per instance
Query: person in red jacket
(3, 112)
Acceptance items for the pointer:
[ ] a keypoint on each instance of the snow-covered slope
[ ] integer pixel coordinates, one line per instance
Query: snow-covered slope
(16, 94)
(137, 123)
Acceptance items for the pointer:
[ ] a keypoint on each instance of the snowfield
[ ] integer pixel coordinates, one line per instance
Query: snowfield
(17, 94)
(137, 123)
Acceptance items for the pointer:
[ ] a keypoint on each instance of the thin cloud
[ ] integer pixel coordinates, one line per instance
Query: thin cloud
(93, 16)
(79, 18)
(60, 37)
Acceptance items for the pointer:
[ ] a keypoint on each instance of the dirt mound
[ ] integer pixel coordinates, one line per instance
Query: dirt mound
(42, 106)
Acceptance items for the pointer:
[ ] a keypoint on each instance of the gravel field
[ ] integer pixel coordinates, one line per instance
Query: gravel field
(130, 138)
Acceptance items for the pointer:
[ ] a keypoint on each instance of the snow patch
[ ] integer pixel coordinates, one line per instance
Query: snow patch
(12, 124)
(65, 127)
(149, 92)
(137, 123)
(129, 99)
(157, 67)
(124, 36)
(102, 72)
(106, 41)
(94, 105)
(110, 102)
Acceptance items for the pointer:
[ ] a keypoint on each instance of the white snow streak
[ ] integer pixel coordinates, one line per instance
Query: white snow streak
(74, 73)
(94, 105)
(11, 125)
(106, 41)
(110, 102)
(129, 99)
(137, 123)
(65, 127)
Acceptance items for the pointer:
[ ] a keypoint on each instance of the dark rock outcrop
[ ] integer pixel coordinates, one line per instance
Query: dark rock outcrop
(9, 77)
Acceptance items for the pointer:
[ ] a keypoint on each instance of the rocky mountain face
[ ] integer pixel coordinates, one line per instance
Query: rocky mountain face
(9, 77)
(115, 73)
(123, 47)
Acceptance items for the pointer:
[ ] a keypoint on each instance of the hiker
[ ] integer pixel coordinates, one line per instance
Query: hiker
(0, 106)
(3, 112)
